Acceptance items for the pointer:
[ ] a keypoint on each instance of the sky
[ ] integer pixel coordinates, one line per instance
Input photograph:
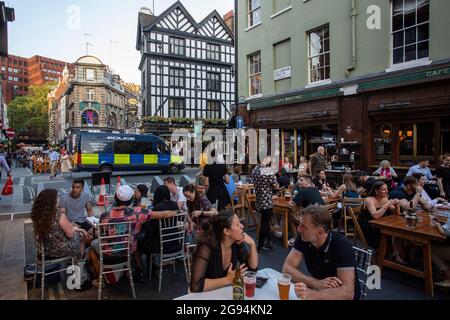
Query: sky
(57, 28)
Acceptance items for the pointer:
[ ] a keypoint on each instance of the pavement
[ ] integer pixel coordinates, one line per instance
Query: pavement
(27, 185)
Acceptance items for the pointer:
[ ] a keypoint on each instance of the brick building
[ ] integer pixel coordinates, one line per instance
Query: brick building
(17, 74)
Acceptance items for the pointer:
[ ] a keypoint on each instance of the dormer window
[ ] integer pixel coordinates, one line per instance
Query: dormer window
(90, 74)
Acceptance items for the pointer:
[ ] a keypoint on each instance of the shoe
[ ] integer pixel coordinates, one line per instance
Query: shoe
(139, 276)
(396, 257)
(443, 284)
(263, 249)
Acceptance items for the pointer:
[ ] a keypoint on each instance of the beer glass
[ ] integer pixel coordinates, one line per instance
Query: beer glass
(284, 286)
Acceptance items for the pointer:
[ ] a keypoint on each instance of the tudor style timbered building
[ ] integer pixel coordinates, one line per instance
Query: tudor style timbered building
(187, 67)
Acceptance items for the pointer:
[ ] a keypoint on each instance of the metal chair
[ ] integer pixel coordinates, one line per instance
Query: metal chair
(41, 263)
(363, 260)
(114, 251)
(171, 233)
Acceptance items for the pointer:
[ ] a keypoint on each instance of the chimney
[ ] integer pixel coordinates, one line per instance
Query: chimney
(228, 18)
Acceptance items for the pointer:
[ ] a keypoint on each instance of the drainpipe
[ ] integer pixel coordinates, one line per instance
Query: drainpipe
(354, 13)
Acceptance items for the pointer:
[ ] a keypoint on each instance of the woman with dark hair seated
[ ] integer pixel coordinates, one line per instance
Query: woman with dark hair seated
(284, 180)
(376, 206)
(52, 227)
(199, 208)
(150, 243)
(219, 251)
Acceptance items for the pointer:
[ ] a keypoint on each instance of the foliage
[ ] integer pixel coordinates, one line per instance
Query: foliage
(30, 113)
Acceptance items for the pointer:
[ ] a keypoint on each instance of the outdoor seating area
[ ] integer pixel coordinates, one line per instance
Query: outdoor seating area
(137, 236)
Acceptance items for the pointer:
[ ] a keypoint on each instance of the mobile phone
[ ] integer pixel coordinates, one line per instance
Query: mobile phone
(260, 281)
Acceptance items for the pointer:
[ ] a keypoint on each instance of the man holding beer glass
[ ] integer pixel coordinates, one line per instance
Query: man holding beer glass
(329, 258)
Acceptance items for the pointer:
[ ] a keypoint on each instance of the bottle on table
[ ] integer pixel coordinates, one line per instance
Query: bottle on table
(238, 285)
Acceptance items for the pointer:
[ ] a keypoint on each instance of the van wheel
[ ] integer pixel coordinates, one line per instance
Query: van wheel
(173, 169)
(106, 169)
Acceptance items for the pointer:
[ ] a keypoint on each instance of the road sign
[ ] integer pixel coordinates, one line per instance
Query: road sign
(10, 133)
(239, 122)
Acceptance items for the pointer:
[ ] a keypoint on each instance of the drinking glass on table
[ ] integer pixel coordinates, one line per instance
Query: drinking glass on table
(431, 214)
(284, 286)
(250, 283)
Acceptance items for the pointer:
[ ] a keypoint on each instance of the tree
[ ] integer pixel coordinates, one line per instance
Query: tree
(30, 113)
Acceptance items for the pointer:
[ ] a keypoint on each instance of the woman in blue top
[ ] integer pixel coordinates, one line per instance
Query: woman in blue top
(348, 188)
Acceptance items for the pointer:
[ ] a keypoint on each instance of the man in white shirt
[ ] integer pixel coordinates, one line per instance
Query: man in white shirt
(421, 168)
(421, 180)
(176, 193)
(54, 157)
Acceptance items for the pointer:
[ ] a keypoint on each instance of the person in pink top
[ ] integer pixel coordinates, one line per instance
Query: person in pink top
(385, 171)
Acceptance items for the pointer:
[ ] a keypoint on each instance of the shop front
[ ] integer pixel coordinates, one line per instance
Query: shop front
(401, 117)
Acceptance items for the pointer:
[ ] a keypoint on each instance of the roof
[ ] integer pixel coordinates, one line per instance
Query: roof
(89, 60)
(145, 19)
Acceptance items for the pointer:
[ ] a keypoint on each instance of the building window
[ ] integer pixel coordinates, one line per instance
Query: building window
(90, 94)
(416, 141)
(176, 76)
(319, 54)
(89, 118)
(3, 68)
(213, 81)
(176, 108)
(212, 51)
(410, 30)
(112, 120)
(254, 12)
(177, 46)
(255, 74)
(89, 74)
(213, 110)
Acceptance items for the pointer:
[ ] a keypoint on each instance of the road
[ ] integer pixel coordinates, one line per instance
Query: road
(27, 184)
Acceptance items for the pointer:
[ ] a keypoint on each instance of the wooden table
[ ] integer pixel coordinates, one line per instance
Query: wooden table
(422, 234)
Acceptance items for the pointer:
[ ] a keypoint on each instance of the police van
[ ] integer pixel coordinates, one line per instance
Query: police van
(108, 152)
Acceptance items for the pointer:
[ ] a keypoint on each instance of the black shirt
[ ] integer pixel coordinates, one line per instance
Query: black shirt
(307, 196)
(151, 232)
(207, 263)
(284, 181)
(444, 173)
(336, 253)
(400, 194)
(320, 183)
(368, 185)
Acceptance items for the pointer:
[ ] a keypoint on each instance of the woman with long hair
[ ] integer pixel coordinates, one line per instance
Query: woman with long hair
(54, 230)
(376, 206)
(199, 208)
(347, 189)
(218, 253)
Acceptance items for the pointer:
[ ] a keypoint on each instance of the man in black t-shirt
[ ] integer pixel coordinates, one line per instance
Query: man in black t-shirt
(366, 183)
(410, 191)
(443, 177)
(329, 258)
(306, 194)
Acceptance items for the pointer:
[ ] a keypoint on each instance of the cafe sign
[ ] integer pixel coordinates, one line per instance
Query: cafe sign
(282, 73)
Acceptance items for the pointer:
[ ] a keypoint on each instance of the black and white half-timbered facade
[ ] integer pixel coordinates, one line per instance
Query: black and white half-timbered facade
(187, 67)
